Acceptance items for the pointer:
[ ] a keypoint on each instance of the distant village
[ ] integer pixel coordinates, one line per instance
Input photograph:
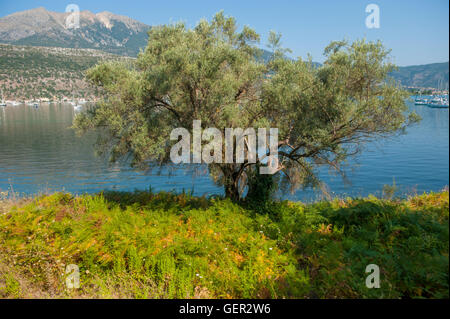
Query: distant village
(54, 100)
(66, 99)
(427, 90)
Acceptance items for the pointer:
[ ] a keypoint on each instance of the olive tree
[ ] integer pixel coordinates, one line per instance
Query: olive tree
(215, 73)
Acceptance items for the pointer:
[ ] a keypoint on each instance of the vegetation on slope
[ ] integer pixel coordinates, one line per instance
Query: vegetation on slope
(38, 72)
(146, 245)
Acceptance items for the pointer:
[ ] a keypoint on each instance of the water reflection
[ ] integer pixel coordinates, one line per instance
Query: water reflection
(39, 152)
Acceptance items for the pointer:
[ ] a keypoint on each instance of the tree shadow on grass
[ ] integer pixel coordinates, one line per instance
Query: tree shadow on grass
(162, 200)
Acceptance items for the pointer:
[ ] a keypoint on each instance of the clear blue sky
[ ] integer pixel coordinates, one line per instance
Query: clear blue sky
(417, 31)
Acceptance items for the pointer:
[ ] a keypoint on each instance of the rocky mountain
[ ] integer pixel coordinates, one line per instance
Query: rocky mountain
(102, 31)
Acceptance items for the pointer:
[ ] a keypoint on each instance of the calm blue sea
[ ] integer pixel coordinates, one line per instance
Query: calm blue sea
(39, 153)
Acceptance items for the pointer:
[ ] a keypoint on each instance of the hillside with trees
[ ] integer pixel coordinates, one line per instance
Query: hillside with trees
(40, 72)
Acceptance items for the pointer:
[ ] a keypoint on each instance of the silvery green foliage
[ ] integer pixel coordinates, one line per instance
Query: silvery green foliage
(213, 73)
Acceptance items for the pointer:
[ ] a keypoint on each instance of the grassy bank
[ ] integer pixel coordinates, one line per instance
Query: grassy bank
(144, 245)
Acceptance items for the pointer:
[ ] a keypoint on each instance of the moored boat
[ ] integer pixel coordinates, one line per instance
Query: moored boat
(438, 102)
(2, 103)
(421, 101)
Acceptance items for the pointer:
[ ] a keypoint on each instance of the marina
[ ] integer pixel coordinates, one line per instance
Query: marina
(434, 101)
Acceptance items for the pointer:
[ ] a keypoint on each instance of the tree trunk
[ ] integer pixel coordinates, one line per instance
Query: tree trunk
(231, 184)
(232, 192)
(261, 187)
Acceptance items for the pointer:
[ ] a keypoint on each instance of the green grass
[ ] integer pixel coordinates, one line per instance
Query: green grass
(145, 245)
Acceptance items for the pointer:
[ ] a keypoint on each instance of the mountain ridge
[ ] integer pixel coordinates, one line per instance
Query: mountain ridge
(104, 31)
(122, 35)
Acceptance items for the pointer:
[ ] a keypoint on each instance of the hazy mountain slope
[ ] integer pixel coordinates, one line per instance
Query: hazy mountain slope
(433, 75)
(103, 31)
